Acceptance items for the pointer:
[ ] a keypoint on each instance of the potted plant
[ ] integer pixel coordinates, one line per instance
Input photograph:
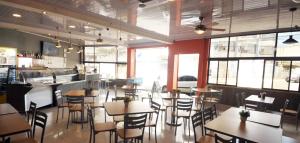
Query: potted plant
(244, 114)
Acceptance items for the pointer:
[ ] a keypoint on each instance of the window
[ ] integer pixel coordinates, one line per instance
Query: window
(222, 72)
(268, 74)
(295, 76)
(253, 62)
(252, 46)
(281, 75)
(219, 47)
(288, 50)
(231, 72)
(250, 73)
(109, 62)
(213, 72)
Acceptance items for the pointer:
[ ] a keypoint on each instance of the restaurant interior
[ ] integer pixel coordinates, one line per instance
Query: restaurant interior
(150, 71)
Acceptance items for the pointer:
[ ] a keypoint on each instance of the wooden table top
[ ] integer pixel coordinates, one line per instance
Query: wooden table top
(169, 96)
(205, 90)
(249, 131)
(7, 109)
(13, 124)
(255, 116)
(255, 98)
(80, 92)
(134, 107)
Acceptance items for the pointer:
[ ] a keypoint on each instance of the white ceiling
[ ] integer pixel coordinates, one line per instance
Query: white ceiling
(160, 21)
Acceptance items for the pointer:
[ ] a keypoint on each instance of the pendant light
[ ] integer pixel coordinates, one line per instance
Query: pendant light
(70, 40)
(291, 40)
(57, 44)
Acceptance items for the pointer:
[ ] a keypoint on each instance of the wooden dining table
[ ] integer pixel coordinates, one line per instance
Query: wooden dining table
(264, 118)
(261, 102)
(13, 123)
(6, 108)
(228, 123)
(134, 107)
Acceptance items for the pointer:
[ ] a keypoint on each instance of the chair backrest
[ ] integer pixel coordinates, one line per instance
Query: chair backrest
(218, 139)
(184, 105)
(59, 97)
(156, 107)
(207, 114)
(31, 112)
(243, 97)
(91, 119)
(197, 121)
(135, 121)
(75, 101)
(40, 120)
(286, 102)
(214, 110)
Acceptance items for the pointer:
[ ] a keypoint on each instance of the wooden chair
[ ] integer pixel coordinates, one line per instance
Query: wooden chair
(152, 121)
(60, 104)
(183, 110)
(247, 104)
(284, 111)
(31, 112)
(134, 126)
(100, 105)
(207, 115)
(40, 120)
(96, 128)
(75, 104)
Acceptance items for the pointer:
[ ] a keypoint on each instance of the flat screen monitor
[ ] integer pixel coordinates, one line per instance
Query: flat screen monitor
(48, 49)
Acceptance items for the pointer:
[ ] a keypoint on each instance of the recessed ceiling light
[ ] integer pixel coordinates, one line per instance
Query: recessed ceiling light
(72, 26)
(44, 12)
(17, 15)
(86, 27)
(49, 34)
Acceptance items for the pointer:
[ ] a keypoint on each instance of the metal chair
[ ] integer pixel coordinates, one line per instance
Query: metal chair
(183, 110)
(100, 105)
(75, 104)
(40, 120)
(197, 121)
(219, 139)
(31, 112)
(60, 103)
(152, 121)
(134, 126)
(96, 128)
(285, 111)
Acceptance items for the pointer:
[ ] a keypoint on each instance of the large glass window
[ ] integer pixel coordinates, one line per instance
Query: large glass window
(250, 73)
(222, 72)
(106, 54)
(232, 72)
(268, 74)
(295, 76)
(219, 47)
(261, 45)
(281, 75)
(107, 70)
(288, 50)
(213, 72)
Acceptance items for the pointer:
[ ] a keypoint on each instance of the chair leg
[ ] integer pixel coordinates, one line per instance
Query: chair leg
(63, 111)
(176, 125)
(68, 120)
(155, 135)
(57, 114)
(104, 116)
(149, 133)
(189, 127)
(90, 135)
(94, 138)
(297, 122)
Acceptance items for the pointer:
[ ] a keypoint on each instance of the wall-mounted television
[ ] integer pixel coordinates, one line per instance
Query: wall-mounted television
(48, 49)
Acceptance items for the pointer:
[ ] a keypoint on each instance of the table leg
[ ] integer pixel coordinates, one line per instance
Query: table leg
(173, 118)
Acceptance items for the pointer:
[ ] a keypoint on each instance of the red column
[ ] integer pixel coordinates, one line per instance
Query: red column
(130, 62)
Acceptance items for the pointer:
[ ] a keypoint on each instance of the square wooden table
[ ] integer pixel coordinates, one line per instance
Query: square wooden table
(255, 116)
(255, 98)
(11, 124)
(119, 108)
(205, 90)
(248, 131)
(7, 109)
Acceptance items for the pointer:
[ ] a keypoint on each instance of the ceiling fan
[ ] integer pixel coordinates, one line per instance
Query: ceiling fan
(201, 28)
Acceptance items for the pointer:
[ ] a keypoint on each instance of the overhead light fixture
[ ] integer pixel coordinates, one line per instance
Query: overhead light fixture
(58, 44)
(199, 30)
(68, 51)
(99, 40)
(45, 12)
(86, 27)
(79, 50)
(72, 26)
(291, 40)
(16, 15)
(142, 5)
(296, 1)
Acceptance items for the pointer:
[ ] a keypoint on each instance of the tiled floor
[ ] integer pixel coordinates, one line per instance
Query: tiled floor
(58, 133)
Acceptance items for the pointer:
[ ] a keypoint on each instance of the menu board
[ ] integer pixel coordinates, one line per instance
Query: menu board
(8, 56)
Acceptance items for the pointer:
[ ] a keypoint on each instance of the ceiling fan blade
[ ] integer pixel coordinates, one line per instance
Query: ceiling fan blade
(215, 29)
